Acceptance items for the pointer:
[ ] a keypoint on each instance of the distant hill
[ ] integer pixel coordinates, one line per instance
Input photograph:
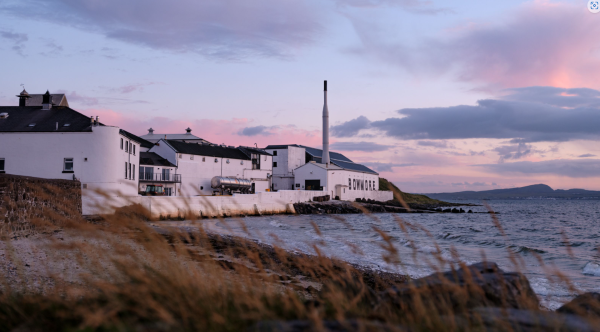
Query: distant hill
(528, 192)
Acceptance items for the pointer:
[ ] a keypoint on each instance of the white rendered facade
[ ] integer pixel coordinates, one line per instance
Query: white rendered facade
(197, 171)
(287, 160)
(99, 159)
(336, 181)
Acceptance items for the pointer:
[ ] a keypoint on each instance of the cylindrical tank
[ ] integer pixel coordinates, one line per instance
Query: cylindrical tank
(220, 182)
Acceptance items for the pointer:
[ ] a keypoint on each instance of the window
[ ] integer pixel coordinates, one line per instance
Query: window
(129, 171)
(134, 150)
(126, 147)
(274, 153)
(227, 161)
(274, 164)
(130, 146)
(133, 172)
(68, 165)
(125, 170)
(180, 156)
(32, 125)
(216, 160)
(121, 143)
(255, 161)
(166, 174)
(2, 165)
(203, 159)
(241, 162)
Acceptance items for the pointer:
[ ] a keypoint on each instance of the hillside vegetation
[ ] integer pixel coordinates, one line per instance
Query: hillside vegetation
(410, 199)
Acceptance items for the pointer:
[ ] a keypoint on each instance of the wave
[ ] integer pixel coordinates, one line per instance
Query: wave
(526, 250)
(592, 269)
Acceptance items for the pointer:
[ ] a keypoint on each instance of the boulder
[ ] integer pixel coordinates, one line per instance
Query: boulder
(586, 305)
(479, 285)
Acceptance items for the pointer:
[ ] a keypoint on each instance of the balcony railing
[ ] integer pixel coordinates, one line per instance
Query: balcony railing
(158, 177)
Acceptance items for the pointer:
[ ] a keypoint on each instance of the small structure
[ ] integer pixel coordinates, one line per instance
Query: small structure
(57, 99)
(157, 171)
(186, 138)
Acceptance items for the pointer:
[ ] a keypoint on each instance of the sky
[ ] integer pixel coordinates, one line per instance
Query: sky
(437, 96)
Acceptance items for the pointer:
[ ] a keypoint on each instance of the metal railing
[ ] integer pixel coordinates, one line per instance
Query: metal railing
(159, 177)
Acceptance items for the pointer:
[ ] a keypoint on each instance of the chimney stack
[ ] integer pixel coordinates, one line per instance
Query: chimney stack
(325, 156)
(47, 101)
(23, 96)
(97, 120)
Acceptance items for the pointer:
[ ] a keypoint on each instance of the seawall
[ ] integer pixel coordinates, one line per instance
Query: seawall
(212, 206)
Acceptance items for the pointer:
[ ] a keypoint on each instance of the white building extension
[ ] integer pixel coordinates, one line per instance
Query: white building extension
(346, 184)
(56, 142)
(156, 170)
(197, 164)
(286, 158)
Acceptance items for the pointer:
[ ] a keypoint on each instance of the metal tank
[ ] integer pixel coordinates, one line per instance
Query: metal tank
(231, 184)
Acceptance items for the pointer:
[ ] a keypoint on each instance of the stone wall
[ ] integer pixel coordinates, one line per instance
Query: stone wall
(29, 205)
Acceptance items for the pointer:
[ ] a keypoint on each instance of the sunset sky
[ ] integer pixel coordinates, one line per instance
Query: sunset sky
(438, 96)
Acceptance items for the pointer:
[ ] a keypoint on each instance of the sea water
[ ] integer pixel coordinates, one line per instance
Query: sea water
(543, 236)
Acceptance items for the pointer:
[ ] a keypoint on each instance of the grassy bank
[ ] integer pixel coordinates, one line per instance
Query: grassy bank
(412, 200)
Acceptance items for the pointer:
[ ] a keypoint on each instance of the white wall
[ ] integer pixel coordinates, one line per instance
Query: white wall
(287, 161)
(42, 155)
(310, 171)
(197, 171)
(214, 206)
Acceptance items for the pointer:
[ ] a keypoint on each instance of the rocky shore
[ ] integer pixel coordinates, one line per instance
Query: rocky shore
(480, 296)
(370, 206)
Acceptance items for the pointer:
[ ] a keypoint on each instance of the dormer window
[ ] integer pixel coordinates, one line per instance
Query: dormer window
(67, 125)
(32, 125)
(3, 115)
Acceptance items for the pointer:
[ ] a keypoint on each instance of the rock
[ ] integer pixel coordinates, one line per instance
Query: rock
(479, 285)
(470, 211)
(585, 305)
(502, 319)
(455, 210)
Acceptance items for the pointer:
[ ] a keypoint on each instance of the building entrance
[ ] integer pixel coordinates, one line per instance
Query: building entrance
(312, 184)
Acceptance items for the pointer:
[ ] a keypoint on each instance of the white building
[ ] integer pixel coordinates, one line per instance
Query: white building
(187, 137)
(57, 142)
(197, 164)
(156, 170)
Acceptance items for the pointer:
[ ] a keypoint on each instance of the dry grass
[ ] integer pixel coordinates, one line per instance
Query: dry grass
(133, 278)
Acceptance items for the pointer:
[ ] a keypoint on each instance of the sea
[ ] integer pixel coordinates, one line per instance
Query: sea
(555, 243)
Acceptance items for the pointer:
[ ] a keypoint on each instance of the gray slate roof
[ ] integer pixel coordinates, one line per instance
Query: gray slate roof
(209, 150)
(143, 142)
(58, 99)
(20, 118)
(179, 137)
(337, 159)
(151, 158)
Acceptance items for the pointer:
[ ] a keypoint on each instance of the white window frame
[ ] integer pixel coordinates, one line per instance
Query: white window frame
(65, 165)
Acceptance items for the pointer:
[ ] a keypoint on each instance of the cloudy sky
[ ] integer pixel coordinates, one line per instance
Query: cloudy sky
(437, 96)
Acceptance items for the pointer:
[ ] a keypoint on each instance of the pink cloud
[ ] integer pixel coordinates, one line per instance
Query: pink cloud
(215, 131)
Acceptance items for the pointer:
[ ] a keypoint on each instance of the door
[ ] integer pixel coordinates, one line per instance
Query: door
(149, 173)
(312, 184)
(165, 174)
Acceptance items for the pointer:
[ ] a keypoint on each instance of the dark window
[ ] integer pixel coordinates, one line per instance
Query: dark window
(125, 170)
(255, 161)
(2, 165)
(350, 184)
(165, 174)
(274, 153)
(121, 143)
(130, 147)
(274, 164)
(126, 147)
(133, 172)
(134, 150)
(68, 165)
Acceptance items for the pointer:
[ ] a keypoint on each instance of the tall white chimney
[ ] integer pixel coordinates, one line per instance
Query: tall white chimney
(325, 157)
